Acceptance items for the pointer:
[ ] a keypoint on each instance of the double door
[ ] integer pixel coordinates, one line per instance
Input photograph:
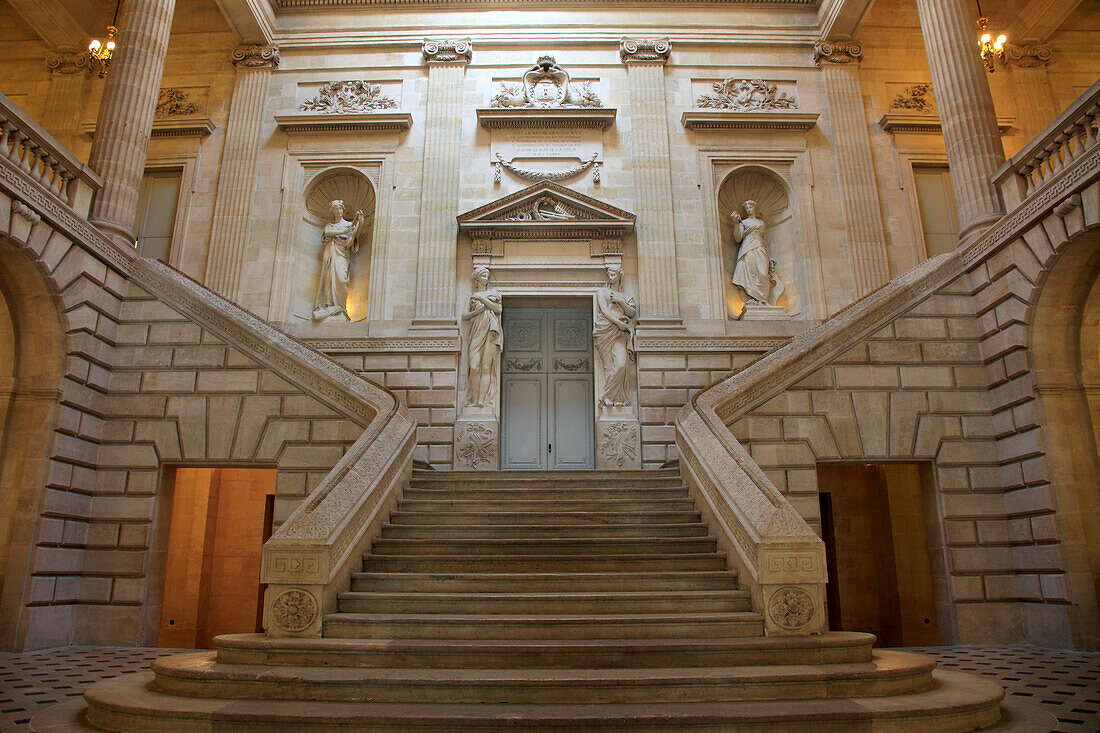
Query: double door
(546, 389)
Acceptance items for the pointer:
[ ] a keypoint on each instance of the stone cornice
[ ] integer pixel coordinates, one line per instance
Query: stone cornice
(926, 122)
(448, 51)
(309, 122)
(1029, 54)
(496, 118)
(653, 51)
(256, 57)
(724, 119)
(187, 127)
(837, 52)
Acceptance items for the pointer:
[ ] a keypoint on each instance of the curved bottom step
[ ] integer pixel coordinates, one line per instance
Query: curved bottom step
(960, 702)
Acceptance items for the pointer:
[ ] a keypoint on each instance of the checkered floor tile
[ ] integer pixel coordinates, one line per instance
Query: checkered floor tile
(1066, 684)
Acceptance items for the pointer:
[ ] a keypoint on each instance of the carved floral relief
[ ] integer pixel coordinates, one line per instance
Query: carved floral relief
(476, 446)
(348, 97)
(746, 95)
(175, 103)
(916, 98)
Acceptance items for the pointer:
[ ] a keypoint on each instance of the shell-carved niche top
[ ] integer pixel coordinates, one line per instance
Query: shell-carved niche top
(746, 95)
(546, 85)
(348, 97)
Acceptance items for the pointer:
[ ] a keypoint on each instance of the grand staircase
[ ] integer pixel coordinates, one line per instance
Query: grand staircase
(543, 601)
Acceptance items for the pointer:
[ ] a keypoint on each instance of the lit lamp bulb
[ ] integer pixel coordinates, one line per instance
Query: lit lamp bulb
(999, 44)
(102, 52)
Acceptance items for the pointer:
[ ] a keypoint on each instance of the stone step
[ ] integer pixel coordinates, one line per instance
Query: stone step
(556, 479)
(202, 675)
(506, 626)
(578, 582)
(545, 518)
(546, 603)
(607, 547)
(543, 563)
(956, 703)
(555, 507)
(545, 492)
(519, 531)
(829, 648)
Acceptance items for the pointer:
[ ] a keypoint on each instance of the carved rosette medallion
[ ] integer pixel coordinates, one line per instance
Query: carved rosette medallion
(791, 608)
(294, 610)
(656, 50)
(617, 446)
(448, 51)
(837, 52)
(476, 445)
(256, 57)
(69, 62)
(1029, 55)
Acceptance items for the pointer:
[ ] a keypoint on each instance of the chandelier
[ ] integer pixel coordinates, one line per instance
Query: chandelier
(991, 50)
(102, 51)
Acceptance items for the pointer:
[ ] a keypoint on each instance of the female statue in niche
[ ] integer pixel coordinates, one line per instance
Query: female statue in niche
(484, 341)
(755, 269)
(339, 239)
(613, 338)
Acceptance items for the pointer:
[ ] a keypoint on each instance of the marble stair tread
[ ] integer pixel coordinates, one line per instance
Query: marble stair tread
(544, 492)
(554, 507)
(545, 563)
(544, 603)
(832, 647)
(544, 546)
(889, 673)
(936, 711)
(542, 518)
(520, 531)
(546, 581)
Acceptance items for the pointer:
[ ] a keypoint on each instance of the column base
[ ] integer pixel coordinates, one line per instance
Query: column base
(618, 440)
(477, 442)
(119, 234)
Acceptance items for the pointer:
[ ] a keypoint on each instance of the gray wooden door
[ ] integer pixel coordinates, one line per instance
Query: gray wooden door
(546, 392)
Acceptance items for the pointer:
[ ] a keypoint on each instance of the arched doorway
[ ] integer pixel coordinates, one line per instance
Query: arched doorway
(31, 359)
(1064, 342)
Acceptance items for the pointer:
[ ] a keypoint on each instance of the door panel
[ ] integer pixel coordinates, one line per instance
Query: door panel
(523, 432)
(546, 408)
(571, 421)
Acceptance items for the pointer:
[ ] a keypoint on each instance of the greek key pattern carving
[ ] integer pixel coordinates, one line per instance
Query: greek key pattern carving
(294, 610)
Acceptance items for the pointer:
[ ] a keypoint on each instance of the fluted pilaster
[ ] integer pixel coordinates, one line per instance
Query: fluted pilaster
(64, 102)
(1028, 63)
(854, 166)
(126, 113)
(974, 149)
(240, 160)
(656, 233)
(436, 266)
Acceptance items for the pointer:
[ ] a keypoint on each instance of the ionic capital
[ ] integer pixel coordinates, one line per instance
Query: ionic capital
(1029, 55)
(256, 57)
(448, 51)
(837, 52)
(654, 50)
(69, 62)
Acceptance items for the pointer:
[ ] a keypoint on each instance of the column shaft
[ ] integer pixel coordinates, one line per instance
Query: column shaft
(974, 149)
(1029, 76)
(855, 169)
(240, 161)
(436, 266)
(126, 113)
(65, 97)
(650, 157)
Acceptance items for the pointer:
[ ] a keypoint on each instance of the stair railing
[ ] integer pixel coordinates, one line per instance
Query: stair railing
(780, 559)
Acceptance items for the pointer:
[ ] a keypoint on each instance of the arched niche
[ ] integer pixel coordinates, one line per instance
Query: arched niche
(774, 205)
(357, 192)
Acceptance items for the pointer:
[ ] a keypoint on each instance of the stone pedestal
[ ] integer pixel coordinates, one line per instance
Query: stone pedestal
(618, 440)
(762, 312)
(477, 441)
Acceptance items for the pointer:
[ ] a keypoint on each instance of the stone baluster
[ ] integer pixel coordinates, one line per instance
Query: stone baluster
(839, 62)
(645, 61)
(240, 161)
(974, 149)
(1029, 76)
(126, 113)
(65, 97)
(436, 265)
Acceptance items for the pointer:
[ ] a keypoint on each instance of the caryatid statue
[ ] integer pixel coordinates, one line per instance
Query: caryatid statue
(613, 338)
(754, 272)
(340, 240)
(484, 341)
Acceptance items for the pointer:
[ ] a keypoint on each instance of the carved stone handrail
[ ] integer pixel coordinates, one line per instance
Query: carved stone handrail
(34, 151)
(1071, 135)
(310, 558)
(780, 560)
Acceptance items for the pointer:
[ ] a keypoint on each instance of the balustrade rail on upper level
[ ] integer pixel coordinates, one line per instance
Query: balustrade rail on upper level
(45, 161)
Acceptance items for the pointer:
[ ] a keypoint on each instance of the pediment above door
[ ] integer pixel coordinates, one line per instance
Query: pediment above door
(546, 210)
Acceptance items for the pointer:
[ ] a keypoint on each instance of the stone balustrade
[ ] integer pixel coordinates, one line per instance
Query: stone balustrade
(1071, 136)
(32, 150)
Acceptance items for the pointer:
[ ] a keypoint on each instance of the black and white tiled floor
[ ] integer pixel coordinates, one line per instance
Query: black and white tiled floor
(1065, 684)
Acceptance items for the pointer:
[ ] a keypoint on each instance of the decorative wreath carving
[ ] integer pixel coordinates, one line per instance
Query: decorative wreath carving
(791, 608)
(294, 610)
